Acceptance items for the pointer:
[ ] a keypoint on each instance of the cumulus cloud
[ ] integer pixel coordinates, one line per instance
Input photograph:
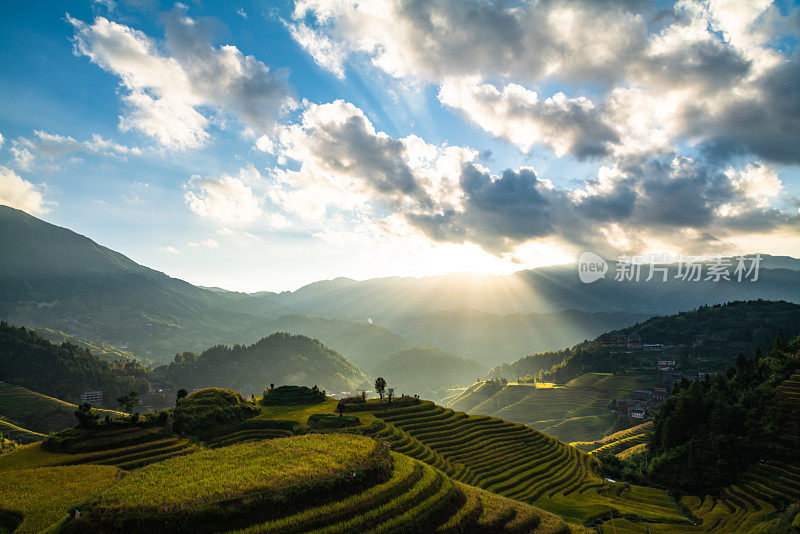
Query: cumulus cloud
(21, 194)
(175, 88)
(350, 169)
(567, 125)
(170, 250)
(325, 52)
(717, 75)
(228, 200)
(346, 163)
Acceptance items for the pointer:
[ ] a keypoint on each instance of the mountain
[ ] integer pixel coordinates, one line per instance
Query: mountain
(427, 371)
(54, 278)
(706, 339)
(277, 359)
(74, 289)
(541, 290)
(588, 377)
(64, 371)
(493, 339)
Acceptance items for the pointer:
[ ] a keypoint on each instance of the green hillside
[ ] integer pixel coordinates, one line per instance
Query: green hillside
(704, 339)
(427, 371)
(277, 359)
(334, 482)
(581, 410)
(36, 412)
(516, 461)
(65, 370)
(18, 434)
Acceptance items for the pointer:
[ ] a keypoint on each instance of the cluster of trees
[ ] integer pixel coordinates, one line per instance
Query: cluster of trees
(205, 409)
(708, 432)
(280, 358)
(65, 370)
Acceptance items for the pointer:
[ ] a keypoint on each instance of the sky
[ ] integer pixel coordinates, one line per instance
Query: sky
(265, 145)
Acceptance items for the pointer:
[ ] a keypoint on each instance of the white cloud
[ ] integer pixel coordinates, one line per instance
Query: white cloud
(207, 243)
(228, 200)
(2, 139)
(326, 53)
(23, 158)
(54, 146)
(242, 13)
(175, 88)
(347, 165)
(169, 249)
(21, 194)
(568, 125)
(756, 182)
(717, 74)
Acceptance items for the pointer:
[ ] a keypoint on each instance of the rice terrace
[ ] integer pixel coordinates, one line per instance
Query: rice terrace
(400, 267)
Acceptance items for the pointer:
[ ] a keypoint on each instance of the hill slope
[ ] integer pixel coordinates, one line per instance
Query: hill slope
(36, 412)
(428, 371)
(279, 359)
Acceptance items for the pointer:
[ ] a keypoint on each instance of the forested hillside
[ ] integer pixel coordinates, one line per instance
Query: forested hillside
(64, 371)
(705, 339)
(711, 431)
(277, 359)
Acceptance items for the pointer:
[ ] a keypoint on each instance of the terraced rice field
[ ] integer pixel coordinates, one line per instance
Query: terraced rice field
(618, 442)
(252, 430)
(49, 494)
(516, 461)
(752, 505)
(130, 449)
(19, 434)
(394, 493)
(577, 412)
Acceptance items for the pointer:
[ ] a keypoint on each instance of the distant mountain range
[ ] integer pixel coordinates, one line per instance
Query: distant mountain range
(52, 278)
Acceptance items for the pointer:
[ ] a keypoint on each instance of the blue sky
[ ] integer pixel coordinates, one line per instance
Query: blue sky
(261, 146)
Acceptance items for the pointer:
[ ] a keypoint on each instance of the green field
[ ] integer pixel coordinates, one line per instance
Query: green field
(518, 462)
(36, 499)
(36, 412)
(442, 470)
(618, 442)
(579, 411)
(19, 434)
(324, 483)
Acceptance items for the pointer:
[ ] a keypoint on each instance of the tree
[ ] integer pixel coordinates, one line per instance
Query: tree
(128, 402)
(390, 394)
(380, 386)
(182, 393)
(87, 416)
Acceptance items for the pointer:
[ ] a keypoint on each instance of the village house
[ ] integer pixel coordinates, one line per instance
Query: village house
(642, 394)
(92, 397)
(655, 347)
(660, 395)
(637, 413)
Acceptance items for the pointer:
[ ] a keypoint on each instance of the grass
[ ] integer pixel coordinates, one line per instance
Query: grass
(228, 472)
(37, 412)
(43, 496)
(518, 462)
(19, 434)
(578, 411)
